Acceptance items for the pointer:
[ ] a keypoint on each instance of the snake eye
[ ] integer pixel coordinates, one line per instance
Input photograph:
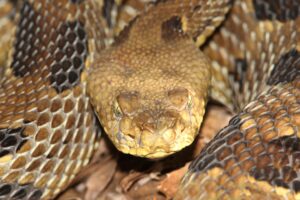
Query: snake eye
(117, 110)
(128, 102)
(179, 98)
(190, 102)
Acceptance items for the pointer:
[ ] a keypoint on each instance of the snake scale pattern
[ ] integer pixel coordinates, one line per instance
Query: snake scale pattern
(67, 63)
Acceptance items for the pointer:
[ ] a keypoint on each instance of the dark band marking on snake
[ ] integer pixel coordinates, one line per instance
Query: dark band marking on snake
(286, 69)
(277, 9)
(70, 58)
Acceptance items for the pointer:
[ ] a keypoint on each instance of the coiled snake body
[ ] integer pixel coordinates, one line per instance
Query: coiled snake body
(149, 90)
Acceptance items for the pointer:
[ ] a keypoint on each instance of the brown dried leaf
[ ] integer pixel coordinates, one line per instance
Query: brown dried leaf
(99, 180)
(169, 185)
(137, 177)
(130, 179)
(114, 196)
(70, 194)
(145, 191)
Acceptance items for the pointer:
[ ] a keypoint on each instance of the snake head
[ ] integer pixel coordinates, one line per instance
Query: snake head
(151, 123)
(154, 128)
(150, 101)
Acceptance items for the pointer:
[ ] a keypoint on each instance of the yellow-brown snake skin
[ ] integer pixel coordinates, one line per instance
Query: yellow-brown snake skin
(65, 64)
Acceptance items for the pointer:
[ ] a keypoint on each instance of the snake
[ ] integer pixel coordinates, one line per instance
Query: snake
(143, 74)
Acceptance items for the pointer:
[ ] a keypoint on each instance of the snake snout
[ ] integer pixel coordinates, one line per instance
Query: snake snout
(156, 122)
(155, 133)
(150, 124)
(155, 125)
